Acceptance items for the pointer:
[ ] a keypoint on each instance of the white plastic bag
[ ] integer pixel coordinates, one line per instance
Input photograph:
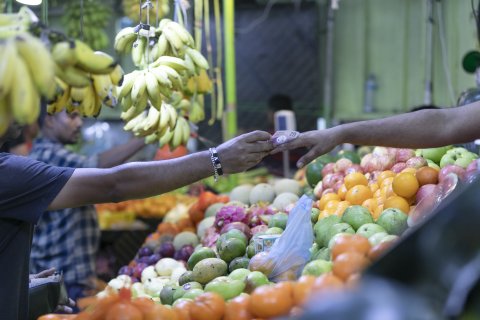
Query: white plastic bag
(290, 252)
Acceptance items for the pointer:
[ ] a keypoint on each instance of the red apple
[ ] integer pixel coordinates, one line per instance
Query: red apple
(398, 167)
(451, 168)
(373, 164)
(328, 168)
(330, 179)
(318, 190)
(337, 185)
(329, 190)
(424, 191)
(404, 154)
(354, 168)
(416, 162)
(386, 162)
(260, 228)
(342, 164)
(365, 160)
(380, 151)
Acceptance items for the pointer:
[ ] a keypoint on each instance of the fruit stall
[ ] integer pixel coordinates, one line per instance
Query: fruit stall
(356, 225)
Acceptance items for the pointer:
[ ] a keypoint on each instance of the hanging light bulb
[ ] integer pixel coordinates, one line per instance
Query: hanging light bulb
(30, 2)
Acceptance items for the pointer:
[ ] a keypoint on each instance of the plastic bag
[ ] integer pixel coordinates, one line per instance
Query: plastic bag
(290, 252)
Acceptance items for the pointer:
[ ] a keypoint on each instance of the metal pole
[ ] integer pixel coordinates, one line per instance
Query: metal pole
(328, 79)
(427, 98)
(230, 116)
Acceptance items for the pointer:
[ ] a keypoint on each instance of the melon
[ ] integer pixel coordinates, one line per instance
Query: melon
(241, 193)
(184, 238)
(262, 192)
(283, 200)
(287, 185)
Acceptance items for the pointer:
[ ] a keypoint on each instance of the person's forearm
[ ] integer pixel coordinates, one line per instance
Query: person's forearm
(119, 154)
(421, 129)
(140, 180)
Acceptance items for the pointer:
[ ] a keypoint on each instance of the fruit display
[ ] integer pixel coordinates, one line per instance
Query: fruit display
(166, 93)
(94, 17)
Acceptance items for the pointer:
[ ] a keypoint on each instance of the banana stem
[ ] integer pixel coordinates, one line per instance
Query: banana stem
(198, 24)
(208, 43)
(218, 68)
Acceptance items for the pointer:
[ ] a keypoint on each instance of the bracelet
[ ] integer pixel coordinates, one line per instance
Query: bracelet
(217, 165)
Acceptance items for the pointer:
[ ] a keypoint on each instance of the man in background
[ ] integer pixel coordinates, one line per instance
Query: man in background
(68, 239)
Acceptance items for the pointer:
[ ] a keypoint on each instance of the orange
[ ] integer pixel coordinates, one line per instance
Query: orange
(342, 192)
(355, 179)
(350, 243)
(271, 301)
(326, 282)
(341, 207)
(348, 263)
(409, 170)
(427, 175)
(385, 174)
(370, 204)
(387, 191)
(405, 185)
(377, 212)
(373, 187)
(397, 202)
(323, 214)
(331, 206)
(357, 194)
(326, 198)
(386, 182)
(302, 289)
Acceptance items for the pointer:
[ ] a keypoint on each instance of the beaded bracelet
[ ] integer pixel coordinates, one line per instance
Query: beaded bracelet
(217, 165)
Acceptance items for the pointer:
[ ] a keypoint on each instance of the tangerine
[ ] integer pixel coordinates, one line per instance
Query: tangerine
(349, 263)
(326, 198)
(342, 192)
(357, 194)
(370, 204)
(383, 175)
(327, 281)
(350, 243)
(427, 175)
(341, 207)
(405, 185)
(355, 179)
(397, 202)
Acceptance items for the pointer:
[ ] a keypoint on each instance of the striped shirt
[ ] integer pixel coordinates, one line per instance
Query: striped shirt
(66, 239)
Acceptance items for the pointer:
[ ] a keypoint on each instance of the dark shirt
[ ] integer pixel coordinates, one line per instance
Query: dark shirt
(27, 188)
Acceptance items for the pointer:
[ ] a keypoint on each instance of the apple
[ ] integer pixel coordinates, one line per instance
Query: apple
(404, 154)
(386, 162)
(328, 168)
(416, 162)
(330, 179)
(329, 190)
(380, 151)
(254, 280)
(458, 156)
(371, 163)
(432, 164)
(424, 191)
(354, 168)
(369, 229)
(398, 167)
(239, 274)
(337, 185)
(317, 268)
(342, 164)
(434, 154)
(451, 168)
(376, 238)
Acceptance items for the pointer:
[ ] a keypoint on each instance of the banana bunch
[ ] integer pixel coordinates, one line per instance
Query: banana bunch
(131, 9)
(26, 74)
(164, 126)
(96, 17)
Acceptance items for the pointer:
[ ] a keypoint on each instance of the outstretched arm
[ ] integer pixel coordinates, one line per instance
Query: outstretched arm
(145, 179)
(420, 129)
(119, 154)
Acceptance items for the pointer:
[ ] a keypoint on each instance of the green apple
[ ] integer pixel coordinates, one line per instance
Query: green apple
(321, 229)
(458, 156)
(192, 294)
(341, 227)
(376, 238)
(323, 254)
(314, 215)
(356, 216)
(432, 164)
(369, 229)
(332, 241)
(317, 268)
(254, 280)
(239, 274)
(433, 154)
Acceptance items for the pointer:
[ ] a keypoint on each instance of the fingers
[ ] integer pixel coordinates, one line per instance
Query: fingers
(307, 158)
(44, 273)
(64, 309)
(261, 146)
(257, 136)
(288, 146)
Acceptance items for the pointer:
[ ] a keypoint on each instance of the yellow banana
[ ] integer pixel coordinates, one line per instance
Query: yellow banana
(139, 87)
(151, 124)
(88, 104)
(173, 39)
(138, 51)
(102, 85)
(173, 115)
(182, 33)
(8, 58)
(63, 53)
(124, 40)
(24, 97)
(164, 117)
(134, 121)
(96, 62)
(162, 46)
(165, 137)
(177, 136)
(126, 102)
(116, 76)
(151, 138)
(162, 77)
(163, 23)
(197, 58)
(73, 76)
(173, 62)
(173, 75)
(127, 84)
(183, 105)
(191, 70)
(152, 89)
(78, 94)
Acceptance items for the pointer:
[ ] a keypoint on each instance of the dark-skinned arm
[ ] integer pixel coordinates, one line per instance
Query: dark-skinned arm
(119, 154)
(144, 179)
(420, 129)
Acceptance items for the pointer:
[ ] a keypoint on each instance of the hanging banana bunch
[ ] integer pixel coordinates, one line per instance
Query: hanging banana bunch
(96, 17)
(166, 90)
(131, 9)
